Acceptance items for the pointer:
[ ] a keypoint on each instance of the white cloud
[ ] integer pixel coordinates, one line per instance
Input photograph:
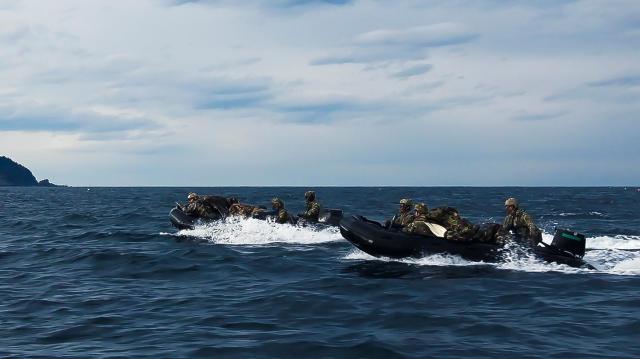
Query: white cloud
(418, 92)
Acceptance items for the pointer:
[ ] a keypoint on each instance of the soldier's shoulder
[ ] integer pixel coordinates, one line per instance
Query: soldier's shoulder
(522, 213)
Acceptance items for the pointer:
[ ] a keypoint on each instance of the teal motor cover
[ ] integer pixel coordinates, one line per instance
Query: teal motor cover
(570, 241)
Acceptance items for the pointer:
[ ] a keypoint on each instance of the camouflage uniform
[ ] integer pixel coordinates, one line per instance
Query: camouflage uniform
(521, 223)
(243, 210)
(282, 215)
(313, 207)
(458, 228)
(403, 217)
(201, 209)
(221, 204)
(419, 223)
(313, 211)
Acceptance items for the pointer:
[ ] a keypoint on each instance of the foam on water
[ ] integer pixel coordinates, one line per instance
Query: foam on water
(430, 260)
(236, 231)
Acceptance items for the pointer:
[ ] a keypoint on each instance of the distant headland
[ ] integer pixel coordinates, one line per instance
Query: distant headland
(15, 174)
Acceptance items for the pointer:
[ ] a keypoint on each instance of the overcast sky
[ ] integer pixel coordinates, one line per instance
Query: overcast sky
(311, 92)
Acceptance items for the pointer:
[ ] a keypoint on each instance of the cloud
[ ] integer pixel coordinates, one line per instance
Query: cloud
(623, 81)
(413, 71)
(394, 44)
(456, 75)
(535, 117)
(55, 119)
(277, 4)
(11, 31)
(442, 34)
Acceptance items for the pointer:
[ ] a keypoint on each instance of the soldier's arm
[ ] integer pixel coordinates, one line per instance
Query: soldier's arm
(528, 221)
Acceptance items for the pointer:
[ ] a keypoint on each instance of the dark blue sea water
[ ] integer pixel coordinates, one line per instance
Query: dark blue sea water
(99, 272)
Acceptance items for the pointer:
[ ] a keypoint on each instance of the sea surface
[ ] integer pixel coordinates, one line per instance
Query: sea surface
(100, 272)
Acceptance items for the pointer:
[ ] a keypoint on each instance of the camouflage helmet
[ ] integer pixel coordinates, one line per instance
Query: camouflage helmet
(277, 202)
(421, 208)
(406, 202)
(310, 195)
(192, 195)
(511, 202)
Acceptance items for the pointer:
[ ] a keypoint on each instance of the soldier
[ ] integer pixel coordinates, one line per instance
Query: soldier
(282, 215)
(244, 210)
(196, 206)
(458, 228)
(221, 204)
(312, 213)
(520, 223)
(419, 225)
(403, 217)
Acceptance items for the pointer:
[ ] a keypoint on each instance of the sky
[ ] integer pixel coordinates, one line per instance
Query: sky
(322, 92)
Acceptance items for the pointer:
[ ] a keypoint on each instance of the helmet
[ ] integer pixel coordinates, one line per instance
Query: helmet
(310, 196)
(277, 202)
(511, 202)
(421, 208)
(191, 196)
(406, 201)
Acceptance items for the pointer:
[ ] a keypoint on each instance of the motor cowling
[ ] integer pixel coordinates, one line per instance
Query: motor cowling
(569, 241)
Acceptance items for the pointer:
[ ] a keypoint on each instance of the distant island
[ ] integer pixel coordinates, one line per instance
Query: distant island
(15, 174)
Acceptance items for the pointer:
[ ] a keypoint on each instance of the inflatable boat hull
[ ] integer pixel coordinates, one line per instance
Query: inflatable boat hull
(373, 239)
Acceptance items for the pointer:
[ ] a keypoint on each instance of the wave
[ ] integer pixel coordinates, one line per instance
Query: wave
(237, 231)
(587, 214)
(605, 242)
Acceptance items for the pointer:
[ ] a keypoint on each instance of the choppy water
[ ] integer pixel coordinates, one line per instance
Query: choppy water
(100, 272)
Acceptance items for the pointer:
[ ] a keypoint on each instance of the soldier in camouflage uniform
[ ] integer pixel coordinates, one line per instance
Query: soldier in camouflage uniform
(282, 216)
(244, 210)
(403, 217)
(196, 206)
(419, 225)
(458, 228)
(312, 214)
(520, 223)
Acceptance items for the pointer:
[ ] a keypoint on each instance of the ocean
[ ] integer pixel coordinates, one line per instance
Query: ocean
(100, 272)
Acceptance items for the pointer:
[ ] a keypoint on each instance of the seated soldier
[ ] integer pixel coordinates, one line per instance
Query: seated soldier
(520, 223)
(403, 217)
(312, 213)
(282, 216)
(457, 228)
(196, 206)
(244, 210)
(419, 225)
(221, 204)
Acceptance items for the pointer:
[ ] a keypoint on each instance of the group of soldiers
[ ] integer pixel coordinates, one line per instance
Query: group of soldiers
(458, 228)
(215, 207)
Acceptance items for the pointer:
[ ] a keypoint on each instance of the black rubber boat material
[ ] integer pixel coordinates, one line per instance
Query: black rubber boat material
(372, 238)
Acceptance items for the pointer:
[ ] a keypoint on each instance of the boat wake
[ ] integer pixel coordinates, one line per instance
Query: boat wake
(237, 231)
(618, 255)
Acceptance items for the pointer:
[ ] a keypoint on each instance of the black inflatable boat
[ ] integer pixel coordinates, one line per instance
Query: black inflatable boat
(372, 238)
(181, 220)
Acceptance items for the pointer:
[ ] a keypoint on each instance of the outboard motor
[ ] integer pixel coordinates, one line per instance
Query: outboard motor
(569, 241)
